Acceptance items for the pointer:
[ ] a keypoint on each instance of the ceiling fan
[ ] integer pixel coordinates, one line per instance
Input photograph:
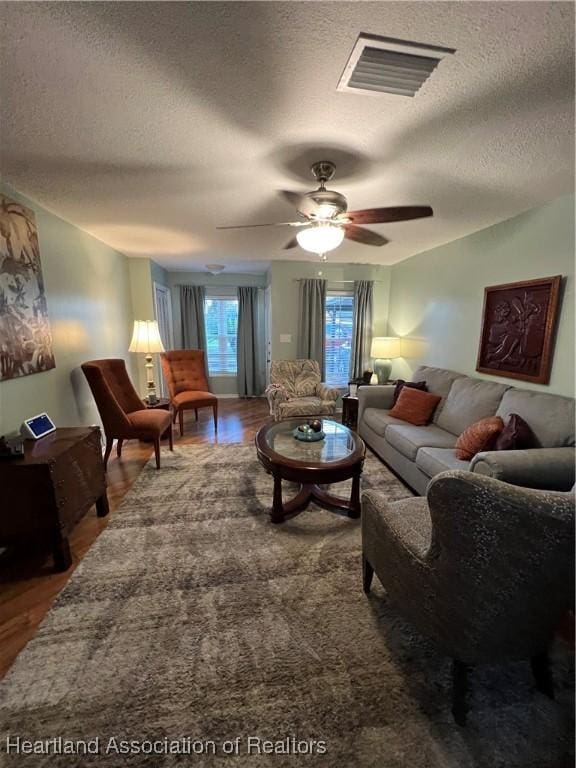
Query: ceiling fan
(325, 219)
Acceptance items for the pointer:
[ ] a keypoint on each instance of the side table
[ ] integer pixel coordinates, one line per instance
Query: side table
(350, 405)
(163, 403)
(45, 493)
(349, 411)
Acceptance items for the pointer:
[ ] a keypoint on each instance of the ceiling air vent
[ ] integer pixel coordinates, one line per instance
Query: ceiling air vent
(384, 65)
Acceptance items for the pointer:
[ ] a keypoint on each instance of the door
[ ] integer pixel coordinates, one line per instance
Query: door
(163, 311)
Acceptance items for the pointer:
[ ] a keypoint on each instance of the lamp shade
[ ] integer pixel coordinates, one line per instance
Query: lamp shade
(385, 346)
(146, 337)
(320, 237)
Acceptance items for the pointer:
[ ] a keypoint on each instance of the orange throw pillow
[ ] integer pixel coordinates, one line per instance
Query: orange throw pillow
(478, 437)
(414, 406)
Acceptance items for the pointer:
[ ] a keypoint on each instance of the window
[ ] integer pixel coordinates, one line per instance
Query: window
(339, 320)
(221, 318)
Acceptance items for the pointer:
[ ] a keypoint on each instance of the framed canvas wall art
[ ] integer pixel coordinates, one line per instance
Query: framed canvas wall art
(25, 337)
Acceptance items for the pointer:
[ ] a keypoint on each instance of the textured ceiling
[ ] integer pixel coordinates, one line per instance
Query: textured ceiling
(147, 124)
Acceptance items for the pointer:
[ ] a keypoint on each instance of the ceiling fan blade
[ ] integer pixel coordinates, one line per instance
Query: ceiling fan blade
(274, 224)
(387, 215)
(294, 198)
(365, 236)
(290, 244)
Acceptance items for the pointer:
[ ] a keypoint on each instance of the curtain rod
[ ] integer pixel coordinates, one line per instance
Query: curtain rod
(299, 280)
(219, 285)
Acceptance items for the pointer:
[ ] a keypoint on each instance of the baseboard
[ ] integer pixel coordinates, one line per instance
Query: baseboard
(237, 397)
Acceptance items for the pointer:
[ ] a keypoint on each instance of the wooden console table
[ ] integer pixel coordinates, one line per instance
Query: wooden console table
(45, 493)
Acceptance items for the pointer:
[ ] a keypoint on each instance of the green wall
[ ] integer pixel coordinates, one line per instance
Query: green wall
(436, 297)
(90, 312)
(283, 279)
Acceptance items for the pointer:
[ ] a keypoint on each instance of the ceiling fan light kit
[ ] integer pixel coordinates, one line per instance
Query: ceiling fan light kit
(320, 237)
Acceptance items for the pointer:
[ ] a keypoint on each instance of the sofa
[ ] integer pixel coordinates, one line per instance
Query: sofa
(418, 454)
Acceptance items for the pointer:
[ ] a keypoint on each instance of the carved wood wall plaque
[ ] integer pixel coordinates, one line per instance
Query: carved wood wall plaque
(518, 328)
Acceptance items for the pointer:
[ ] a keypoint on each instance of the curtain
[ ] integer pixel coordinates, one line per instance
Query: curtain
(192, 318)
(164, 317)
(312, 320)
(249, 347)
(362, 327)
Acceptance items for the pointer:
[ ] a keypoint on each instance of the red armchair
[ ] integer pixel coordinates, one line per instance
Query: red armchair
(123, 413)
(185, 376)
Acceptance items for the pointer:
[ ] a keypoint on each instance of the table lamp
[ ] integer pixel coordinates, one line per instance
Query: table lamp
(146, 339)
(383, 349)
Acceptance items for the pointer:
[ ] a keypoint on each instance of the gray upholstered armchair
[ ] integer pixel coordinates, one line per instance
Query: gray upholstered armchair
(484, 568)
(296, 389)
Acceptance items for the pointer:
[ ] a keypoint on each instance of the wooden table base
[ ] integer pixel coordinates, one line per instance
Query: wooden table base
(314, 493)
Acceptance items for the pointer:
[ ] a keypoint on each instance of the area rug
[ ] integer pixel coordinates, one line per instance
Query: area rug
(196, 633)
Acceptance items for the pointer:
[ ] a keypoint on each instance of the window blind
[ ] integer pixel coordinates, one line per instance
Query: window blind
(339, 319)
(221, 318)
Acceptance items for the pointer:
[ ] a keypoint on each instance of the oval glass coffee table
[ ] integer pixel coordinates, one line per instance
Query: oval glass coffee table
(338, 457)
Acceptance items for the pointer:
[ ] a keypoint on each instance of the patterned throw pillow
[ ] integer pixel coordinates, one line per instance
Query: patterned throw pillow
(480, 436)
(516, 435)
(415, 407)
(400, 384)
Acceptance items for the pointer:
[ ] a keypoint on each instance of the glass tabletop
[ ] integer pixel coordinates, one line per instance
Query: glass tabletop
(339, 442)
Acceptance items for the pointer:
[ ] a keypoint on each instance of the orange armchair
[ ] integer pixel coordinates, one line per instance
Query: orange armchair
(123, 413)
(185, 376)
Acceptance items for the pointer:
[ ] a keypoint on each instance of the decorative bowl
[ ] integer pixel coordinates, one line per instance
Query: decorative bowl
(308, 437)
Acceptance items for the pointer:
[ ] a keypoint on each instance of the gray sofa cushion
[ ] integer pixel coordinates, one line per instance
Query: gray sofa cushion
(551, 417)
(438, 381)
(408, 438)
(468, 401)
(435, 460)
(378, 420)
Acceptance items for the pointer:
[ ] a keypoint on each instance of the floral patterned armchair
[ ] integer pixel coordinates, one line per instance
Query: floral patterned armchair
(295, 389)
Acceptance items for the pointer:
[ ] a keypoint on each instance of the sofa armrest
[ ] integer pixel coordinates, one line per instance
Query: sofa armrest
(324, 392)
(548, 468)
(375, 396)
(275, 394)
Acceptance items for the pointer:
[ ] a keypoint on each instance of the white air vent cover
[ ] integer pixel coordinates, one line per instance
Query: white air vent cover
(385, 65)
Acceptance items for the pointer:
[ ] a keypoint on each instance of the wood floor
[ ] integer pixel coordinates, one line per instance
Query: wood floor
(28, 584)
